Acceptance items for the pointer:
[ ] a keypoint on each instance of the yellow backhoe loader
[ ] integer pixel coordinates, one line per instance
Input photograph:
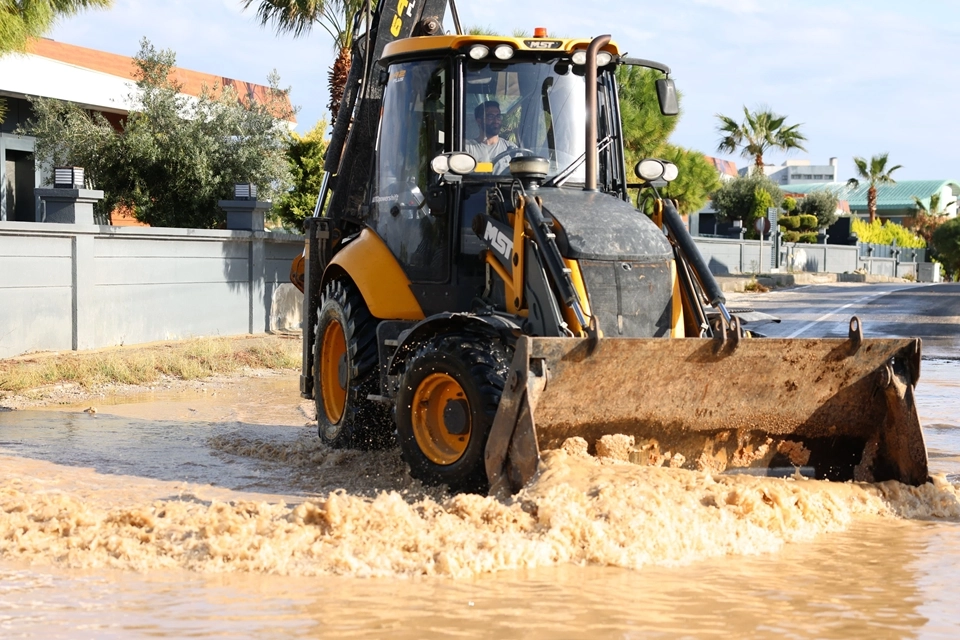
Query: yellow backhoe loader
(478, 285)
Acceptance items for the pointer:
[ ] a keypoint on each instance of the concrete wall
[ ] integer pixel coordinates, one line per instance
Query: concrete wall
(819, 258)
(82, 287)
(729, 256)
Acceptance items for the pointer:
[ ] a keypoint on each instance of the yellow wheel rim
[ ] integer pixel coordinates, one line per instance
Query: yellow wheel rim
(429, 428)
(333, 351)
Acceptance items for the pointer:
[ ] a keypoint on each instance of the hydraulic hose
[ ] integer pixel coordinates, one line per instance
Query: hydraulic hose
(690, 253)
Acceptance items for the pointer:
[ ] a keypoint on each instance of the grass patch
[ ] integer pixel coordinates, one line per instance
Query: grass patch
(183, 360)
(755, 287)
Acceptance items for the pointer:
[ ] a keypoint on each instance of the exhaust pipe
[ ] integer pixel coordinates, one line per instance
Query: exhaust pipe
(590, 148)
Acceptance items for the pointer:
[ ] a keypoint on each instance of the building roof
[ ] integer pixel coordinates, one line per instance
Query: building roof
(889, 196)
(97, 79)
(724, 167)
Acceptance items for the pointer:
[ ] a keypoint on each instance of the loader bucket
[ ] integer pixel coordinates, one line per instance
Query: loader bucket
(837, 409)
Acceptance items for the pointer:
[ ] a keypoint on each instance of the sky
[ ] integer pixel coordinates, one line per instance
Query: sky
(861, 77)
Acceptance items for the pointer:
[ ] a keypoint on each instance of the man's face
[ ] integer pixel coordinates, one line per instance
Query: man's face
(491, 122)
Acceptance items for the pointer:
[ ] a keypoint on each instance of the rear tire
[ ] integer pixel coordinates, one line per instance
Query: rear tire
(346, 371)
(449, 394)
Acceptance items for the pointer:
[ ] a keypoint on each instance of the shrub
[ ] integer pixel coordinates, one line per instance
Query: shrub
(808, 222)
(789, 204)
(809, 237)
(791, 236)
(885, 233)
(790, 223)
(305, 160)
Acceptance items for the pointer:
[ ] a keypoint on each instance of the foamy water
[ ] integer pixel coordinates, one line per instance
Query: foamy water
(581, 511)
(250, 527)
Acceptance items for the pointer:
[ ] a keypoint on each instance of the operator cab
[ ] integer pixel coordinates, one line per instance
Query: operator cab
(533, 91)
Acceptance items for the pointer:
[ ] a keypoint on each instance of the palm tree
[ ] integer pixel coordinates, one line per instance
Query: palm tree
(21, 20)
(761, 130)
(876, 173)
(299, 16)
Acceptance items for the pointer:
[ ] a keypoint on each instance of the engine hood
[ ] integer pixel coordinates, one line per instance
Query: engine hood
(598, 226)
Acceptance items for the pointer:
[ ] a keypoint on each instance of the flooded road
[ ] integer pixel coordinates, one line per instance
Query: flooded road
(215, 512)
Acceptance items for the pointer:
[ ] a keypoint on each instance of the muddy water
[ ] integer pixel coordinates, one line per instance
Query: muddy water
(215, 513)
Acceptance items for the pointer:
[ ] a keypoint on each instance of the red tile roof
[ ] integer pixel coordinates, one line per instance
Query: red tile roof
(193, 82)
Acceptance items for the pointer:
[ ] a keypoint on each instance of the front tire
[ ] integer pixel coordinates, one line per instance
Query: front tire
(346, 371)
(448, 398)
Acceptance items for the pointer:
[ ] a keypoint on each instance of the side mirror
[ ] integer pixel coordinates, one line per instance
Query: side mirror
(667, 95)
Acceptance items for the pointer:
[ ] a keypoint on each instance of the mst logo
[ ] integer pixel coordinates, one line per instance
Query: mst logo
(402, 5)
(498, 240)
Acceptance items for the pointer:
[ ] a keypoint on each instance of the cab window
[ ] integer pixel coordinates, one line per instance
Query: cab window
(413, 130)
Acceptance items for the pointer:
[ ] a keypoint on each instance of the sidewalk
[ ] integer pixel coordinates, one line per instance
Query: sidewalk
(737, 283)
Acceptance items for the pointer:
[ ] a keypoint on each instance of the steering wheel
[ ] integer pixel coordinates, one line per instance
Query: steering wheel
(518, 151)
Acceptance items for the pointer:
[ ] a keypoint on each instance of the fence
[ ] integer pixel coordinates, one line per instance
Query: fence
(906, 254)
(81, 287)
(732, 256)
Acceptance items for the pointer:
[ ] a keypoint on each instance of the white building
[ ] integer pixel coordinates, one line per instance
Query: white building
(96, 80)
(798, 172)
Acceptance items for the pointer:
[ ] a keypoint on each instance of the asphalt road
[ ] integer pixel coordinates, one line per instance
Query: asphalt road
(927, 311)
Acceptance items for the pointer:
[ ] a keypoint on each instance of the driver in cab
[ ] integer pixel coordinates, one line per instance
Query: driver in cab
(488, 145)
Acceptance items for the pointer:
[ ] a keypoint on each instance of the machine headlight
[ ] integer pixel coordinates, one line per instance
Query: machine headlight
(440, 164)
(459, 163)
(670, 171)
(579, 56)
(650, 169)
(503, 52)
(462, 163)
(479, 51)
(603, 58)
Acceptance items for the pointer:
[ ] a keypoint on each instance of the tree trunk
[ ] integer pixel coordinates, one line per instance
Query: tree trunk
(758, 164)
(872, 203)
(338, 81)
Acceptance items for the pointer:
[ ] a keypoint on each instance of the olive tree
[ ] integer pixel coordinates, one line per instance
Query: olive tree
(822, 204)
(175, 156)
(746, 198)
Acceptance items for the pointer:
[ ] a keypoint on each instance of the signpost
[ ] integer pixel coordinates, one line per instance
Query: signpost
(762, 225)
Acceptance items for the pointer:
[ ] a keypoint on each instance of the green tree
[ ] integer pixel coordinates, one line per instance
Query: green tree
(822, 204)
(876, 173)
(21, 20)
(177, 156)
(738, 199)
(645, 133)
(305, 160)
(760, 131)
(299, 16)
(946, 240)
(696, 178)
(645, 129)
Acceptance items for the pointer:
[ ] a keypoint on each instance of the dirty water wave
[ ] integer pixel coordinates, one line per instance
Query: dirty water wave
(582, 510)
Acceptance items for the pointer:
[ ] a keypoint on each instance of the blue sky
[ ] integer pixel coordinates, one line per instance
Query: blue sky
(861, 76)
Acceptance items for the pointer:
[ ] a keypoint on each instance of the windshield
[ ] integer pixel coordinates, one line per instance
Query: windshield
(534, 106)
